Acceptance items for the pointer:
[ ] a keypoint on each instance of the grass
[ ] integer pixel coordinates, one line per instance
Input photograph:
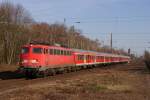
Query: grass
(93, 88)
(119, 87)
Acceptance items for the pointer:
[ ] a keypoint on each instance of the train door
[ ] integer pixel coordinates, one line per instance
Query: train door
(76, 56)
(46, 56)
(94, 59)
(84, 59)
(87, 59)
(104, 59)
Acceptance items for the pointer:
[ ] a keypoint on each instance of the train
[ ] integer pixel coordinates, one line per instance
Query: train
(38, 59)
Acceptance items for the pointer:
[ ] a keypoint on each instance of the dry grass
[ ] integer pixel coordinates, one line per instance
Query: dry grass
(6, 67)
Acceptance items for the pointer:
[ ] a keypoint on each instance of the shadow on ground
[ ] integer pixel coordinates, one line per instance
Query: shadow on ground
(10, 75)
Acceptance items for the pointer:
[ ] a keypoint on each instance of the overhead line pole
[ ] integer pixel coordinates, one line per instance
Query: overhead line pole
(111, 42)
(64, 20)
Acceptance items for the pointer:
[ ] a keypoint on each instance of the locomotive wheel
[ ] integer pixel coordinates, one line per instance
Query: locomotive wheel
(62, 70)
(84, 67)
(78, 68)
(68, 69)
(27, 74)
(91, 66)
(46, 73)
(30, 75)
(52, 72)
(59, 70)
(39, 75)
(73, 69)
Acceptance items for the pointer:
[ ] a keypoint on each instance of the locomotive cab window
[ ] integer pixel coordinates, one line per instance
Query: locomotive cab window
(25, 50)
(37, 50)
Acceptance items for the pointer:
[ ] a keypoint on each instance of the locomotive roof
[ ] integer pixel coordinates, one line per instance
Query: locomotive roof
(46, 46)
(99, 53)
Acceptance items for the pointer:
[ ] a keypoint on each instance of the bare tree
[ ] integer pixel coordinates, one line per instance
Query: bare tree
(12, 20)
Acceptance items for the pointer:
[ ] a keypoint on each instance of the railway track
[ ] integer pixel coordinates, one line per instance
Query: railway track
(20, 83)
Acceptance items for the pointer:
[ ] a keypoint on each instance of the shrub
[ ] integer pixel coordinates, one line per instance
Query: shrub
(147, 59)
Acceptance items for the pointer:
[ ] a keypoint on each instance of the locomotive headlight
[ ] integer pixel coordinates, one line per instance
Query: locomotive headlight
(24, 61)
(34, 61)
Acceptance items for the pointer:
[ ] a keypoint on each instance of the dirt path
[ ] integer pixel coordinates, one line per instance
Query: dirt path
(119, 82)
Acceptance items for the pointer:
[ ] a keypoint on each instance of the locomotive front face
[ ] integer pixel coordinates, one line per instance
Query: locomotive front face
(31, 57)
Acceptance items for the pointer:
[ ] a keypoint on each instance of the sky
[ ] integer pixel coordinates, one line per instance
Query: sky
(127, 20)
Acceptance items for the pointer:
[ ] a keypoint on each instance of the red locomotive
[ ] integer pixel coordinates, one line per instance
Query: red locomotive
(41, 59)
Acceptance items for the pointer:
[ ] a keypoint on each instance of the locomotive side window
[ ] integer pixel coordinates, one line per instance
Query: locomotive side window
(51, 51)
(55, 51)
(25, 50)
(37, 50)
(62, 52)
(45, 51)
(97, 57)
(78, 57)
(58, 52)
(82, 57)
(68, 53)
(65, 52)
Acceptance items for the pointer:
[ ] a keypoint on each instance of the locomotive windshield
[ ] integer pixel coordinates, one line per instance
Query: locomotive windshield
(25, 50)
(37, 50)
